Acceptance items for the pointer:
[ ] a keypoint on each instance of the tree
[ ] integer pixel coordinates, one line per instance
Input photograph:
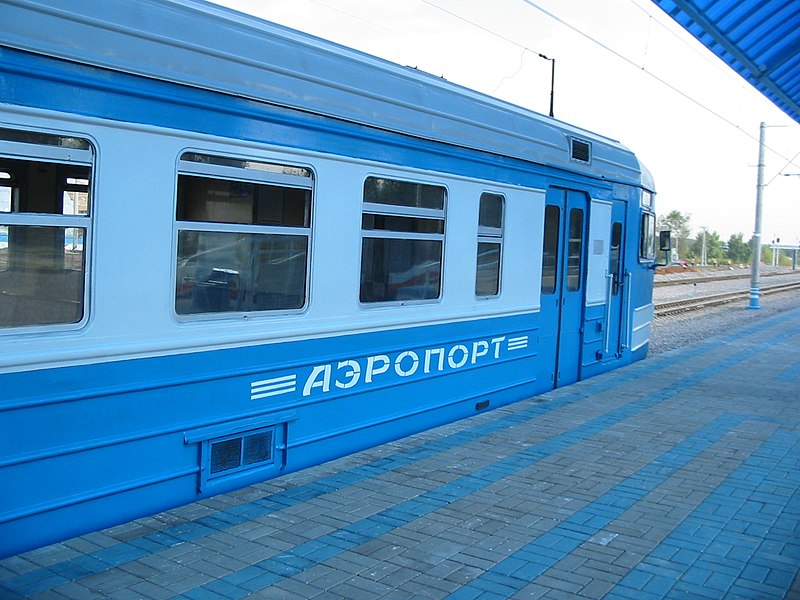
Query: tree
(714, 252)
(738, 250)
(678, 223)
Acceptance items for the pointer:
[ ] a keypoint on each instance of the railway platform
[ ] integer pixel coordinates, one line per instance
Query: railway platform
(676, 477)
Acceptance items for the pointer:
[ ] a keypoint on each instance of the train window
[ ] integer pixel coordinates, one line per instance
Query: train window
(647, 237)
(44, 228)
(378, 190)
(402, 240)
(575, 250)
(5, 191)
(550, 246)
(490, 244)
(243, 230)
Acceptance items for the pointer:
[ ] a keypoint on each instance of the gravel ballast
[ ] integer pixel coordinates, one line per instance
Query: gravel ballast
(677, 331)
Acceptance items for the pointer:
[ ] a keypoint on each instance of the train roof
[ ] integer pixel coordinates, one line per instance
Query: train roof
(200, 44)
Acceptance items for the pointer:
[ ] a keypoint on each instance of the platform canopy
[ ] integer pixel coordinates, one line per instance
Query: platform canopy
(759, 39)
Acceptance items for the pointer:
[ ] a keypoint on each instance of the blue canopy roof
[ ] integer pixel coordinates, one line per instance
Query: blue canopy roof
(759, 39)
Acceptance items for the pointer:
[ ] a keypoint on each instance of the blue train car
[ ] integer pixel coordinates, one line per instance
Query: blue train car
(229, 250)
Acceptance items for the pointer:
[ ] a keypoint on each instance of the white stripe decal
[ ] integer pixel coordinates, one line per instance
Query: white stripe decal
(518, 343)
(273, 387)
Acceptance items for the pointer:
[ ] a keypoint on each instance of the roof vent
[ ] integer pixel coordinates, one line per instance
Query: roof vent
(580, 150)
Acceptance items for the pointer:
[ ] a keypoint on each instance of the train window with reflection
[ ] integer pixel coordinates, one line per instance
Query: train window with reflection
(647, 237)
(490, 244)
(45, 185)
(550, 246)
(243, 234)
(402, 238)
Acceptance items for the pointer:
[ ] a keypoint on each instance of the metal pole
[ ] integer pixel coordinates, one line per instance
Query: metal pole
(756, 267)
(552, 82)
(703, 254)
(552, 78)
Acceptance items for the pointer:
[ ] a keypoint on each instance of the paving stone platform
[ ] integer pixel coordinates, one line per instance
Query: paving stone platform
(678, 477)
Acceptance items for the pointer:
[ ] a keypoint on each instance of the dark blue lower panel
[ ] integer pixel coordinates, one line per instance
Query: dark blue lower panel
(92, 446)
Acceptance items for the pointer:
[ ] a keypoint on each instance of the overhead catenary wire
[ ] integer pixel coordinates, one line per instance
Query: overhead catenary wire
(780, 171)
(358, 18)
(495, 34)
(640, 67)
(616, 53)
(707, 57)
(653, 75)
(482, 28)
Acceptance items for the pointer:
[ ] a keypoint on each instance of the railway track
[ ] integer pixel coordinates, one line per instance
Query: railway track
(665, 309)
(709, 278)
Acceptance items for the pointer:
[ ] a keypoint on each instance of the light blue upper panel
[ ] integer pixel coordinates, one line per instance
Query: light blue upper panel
(196, 43)
(759, 39)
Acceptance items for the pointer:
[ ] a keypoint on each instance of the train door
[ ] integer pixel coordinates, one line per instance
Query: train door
(563, 284)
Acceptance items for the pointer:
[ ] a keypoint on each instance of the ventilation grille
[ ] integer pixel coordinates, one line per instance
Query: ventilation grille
(239, 452)
(580, 150)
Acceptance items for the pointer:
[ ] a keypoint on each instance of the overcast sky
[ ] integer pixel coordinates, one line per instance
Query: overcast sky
(623, 69)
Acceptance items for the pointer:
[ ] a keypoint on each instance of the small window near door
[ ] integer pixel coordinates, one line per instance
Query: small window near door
(614, 257)
(552, 216)
(647, 237)
(490, 245)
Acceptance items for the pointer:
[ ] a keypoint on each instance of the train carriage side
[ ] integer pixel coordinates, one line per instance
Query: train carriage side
(199, 291)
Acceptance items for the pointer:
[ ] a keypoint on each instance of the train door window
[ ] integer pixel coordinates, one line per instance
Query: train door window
(615, 256)
(45, 227)
(402, 240)
(550, 246)
(647, 237)
(575, 250)
(243, 235)
(490, 244)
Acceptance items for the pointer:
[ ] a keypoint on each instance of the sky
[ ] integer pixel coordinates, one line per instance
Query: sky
(624, 69)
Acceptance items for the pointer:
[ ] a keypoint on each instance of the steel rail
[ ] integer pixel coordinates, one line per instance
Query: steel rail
(709, 278)
(674, 307)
